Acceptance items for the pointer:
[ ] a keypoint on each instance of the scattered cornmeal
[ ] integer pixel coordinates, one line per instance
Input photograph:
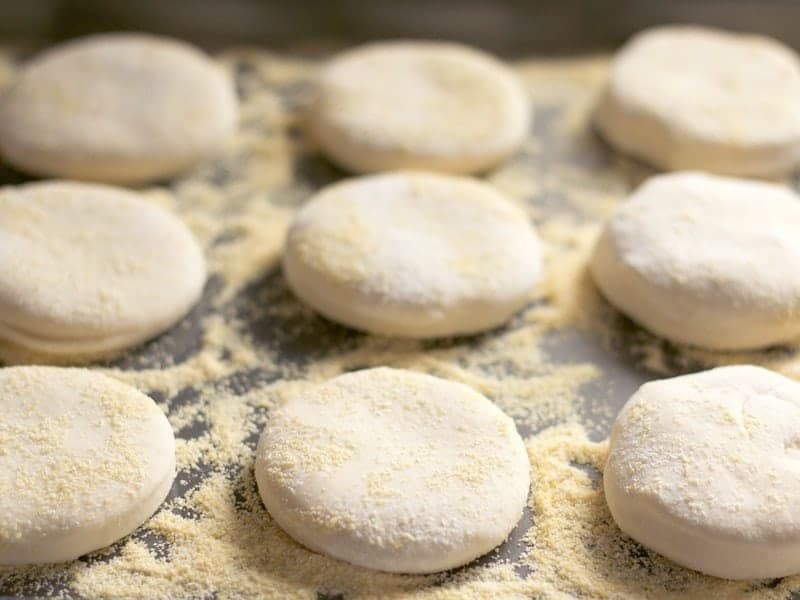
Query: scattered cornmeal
(250, 346)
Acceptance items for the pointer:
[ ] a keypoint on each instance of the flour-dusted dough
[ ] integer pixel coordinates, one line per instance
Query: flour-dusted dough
(705, 469)
(413, 255)
(88, 270)
(705, 260)
(685, 97)
(393, 470)
(85, 460)
(418, 105)
(118, 108)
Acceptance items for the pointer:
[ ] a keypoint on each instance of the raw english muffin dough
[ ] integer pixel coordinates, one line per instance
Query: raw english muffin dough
(89, 270)
(118, 108)
(683, 97)
(393, 470)
(705, 260)
(705, 469)
(413, 255)
(418, 105)
(85, 460)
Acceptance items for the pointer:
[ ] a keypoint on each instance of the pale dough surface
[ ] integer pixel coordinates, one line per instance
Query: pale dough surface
(413, 254)
(85, 460)
(418, 105)
(89, 269)
(684, 97)
(393, 470)
(705, 260)
(117, 108)
(705, 469)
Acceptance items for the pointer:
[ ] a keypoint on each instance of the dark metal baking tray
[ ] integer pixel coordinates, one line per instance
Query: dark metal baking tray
(510, 28)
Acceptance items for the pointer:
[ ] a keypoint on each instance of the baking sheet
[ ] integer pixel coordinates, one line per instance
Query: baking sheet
(266, 312)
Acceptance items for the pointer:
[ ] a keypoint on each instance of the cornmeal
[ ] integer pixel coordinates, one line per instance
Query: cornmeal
(250, 345)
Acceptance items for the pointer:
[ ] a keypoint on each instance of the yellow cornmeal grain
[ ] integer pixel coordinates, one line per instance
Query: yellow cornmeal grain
(256, 346)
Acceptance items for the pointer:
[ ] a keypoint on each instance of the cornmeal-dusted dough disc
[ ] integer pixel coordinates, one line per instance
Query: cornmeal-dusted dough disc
(89, 269)
(705, 469)
(119, 108)
(85, 460)
(393, 470)
(686, 97)
(705, 260)
(413, 255)
(418, 105)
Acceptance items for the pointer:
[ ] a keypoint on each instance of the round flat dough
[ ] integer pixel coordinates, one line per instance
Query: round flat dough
(85, 460)
(393, 470)
(89, 270)
(705, 260)
(705, 469)
(118, 108)
(418, 105)
(683, 97)
(413, 255)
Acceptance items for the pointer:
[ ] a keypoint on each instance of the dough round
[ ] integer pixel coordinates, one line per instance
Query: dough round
(393, 470)
(118, 108)
(418, 105)
(85, 460)
(705, 260)
(413, 255)
(705, 469)
(89, 270)
(683, 97)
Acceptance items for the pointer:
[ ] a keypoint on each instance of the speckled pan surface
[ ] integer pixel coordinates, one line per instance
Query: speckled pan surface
(561, 368)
